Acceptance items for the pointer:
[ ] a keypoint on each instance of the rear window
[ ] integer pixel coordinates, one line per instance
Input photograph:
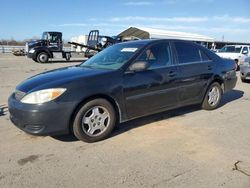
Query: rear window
(189, 53)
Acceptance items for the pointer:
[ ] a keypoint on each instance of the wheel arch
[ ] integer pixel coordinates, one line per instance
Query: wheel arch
(43, 50)
(218, 79)
(110, 99)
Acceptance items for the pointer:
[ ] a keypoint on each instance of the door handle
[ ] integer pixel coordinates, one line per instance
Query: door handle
(209, 67)
(172, 74)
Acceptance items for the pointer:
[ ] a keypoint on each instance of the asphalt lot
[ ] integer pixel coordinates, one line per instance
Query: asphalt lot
(187, 147)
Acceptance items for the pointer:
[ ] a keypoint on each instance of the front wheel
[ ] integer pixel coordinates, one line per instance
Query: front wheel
(243, 80)
(94, 121)
(213, 97)
(42, 57)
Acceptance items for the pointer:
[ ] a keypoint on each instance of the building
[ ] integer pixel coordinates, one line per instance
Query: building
(149, 33)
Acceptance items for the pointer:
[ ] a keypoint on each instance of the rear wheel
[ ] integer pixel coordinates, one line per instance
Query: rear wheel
(42, 57)
(94, 121)
(67, 56)
(213, 97)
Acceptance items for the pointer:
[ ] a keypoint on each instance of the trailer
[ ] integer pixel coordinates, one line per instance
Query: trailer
(96, 42)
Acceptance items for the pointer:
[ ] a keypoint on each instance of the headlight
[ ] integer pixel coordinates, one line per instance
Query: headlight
(42, 96)
(31, 51)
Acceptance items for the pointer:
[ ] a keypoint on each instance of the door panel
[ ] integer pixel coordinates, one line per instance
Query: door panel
(193, 81)
(150, 91)
(196, 69)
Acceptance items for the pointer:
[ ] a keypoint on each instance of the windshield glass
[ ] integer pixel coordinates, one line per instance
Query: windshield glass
(44, 36)
(113, 57)
(231, 49)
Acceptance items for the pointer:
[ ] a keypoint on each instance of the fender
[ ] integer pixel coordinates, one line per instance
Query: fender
(42, 49)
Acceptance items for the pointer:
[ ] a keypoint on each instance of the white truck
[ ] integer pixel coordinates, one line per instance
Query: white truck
(235, 52)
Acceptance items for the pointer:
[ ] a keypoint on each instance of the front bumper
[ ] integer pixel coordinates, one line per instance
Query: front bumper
(30, 55)
(52, 118)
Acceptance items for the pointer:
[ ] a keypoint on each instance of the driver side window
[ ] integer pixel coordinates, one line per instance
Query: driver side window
(245, 50)
(157, 56)
(53, 38)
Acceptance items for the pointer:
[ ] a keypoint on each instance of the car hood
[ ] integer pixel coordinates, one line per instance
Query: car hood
(58, 77)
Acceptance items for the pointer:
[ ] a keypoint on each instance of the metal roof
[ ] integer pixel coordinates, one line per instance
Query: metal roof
(149, 33)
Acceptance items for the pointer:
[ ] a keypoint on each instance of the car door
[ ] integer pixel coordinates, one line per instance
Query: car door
(195, 68)
(154, 89)
(55, 43)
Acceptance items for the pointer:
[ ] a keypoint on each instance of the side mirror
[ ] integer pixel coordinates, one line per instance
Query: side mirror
(138, 66)
(245, 52)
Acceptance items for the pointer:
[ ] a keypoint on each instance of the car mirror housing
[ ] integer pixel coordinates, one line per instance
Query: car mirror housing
(138, 66)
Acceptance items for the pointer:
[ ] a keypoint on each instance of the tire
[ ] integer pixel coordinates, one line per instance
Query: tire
(67, 57)
(42, 57)
(213, 97)
(94, 121)
(243, 80)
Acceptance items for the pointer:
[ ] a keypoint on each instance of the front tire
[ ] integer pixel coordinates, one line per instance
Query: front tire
(213, 97)
(42, 57)
(243, 80)
(94, 121)
(237, 65)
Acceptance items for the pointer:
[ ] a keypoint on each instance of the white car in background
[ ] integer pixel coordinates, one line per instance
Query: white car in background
(245, 70)
(235, 52)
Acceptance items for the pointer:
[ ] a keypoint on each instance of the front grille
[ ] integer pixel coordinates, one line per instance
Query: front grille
(19, 95)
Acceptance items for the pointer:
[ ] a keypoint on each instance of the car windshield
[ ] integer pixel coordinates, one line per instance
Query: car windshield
(44, 36)
(231, 49)
(113, 57)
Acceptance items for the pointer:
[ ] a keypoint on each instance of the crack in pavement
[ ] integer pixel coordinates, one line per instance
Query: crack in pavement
(171, 178)
(237, 168)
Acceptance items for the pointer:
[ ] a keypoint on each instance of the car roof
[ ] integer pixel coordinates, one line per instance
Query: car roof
(150, 41)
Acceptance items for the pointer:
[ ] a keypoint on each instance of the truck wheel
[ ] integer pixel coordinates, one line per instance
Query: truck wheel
(213, 97)
(94, 121)
(243, 80)
(67, 57)
(42, 57)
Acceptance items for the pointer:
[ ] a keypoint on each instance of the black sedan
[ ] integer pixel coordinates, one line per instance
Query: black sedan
(123, 82)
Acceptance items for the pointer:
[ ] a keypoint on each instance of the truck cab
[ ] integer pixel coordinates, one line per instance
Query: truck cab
(49, 46)
(235, 52)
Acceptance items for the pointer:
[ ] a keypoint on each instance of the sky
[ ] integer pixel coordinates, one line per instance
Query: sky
(220, 19)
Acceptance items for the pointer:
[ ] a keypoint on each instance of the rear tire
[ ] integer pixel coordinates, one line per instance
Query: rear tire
(94, 121)
(213, 97)
(42, 57)
(67, 56)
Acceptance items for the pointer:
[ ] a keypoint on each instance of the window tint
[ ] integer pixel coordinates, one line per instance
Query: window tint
(53, 38)
(245, 49)
(157, 55)
(187, 53)
(204, 56)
